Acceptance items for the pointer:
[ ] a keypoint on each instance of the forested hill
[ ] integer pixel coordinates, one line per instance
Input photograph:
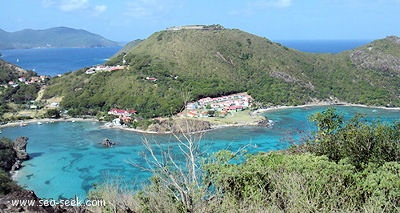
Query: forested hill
(53, 37)
(192, 63)
(10, 72)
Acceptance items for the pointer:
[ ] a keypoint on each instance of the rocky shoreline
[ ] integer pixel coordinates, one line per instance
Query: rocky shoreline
(16, 154)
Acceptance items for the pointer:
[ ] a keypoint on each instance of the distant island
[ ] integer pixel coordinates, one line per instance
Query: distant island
(52, 37)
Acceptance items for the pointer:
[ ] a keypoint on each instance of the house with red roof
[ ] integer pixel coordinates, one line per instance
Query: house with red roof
(121, 112)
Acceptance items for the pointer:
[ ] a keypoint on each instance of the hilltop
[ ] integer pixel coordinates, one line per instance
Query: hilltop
(188, 64)
(53, 37)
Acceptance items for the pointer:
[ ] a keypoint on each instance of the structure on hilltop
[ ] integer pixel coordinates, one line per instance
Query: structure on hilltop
(198, 27)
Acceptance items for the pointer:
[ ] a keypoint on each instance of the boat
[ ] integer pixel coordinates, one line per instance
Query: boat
(39, 123)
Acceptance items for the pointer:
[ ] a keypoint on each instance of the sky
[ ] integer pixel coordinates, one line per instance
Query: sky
(127, 20)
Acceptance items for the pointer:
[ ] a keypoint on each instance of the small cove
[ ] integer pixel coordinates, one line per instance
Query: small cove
(67, 159)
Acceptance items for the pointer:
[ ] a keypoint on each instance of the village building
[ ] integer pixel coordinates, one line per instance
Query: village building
(22, 79)
(121, 112)
(151, 79)
(102, 68)
(218, 105)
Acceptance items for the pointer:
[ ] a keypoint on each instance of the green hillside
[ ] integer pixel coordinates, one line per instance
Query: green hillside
(19, 93)
(194, 63)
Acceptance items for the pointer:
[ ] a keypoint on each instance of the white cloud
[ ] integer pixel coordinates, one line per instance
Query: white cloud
(71, 5)
(75, 5)
(100, 8)
(272, 4)
(47, 3)
(150, 8)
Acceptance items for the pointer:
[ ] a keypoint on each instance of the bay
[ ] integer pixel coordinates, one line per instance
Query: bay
(54, 61)
(67, 159)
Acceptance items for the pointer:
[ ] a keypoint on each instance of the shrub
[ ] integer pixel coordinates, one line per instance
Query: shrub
(359, 140)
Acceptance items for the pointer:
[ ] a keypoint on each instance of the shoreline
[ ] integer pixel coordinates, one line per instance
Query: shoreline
(214, 125)
(45, 120)
(322, 104)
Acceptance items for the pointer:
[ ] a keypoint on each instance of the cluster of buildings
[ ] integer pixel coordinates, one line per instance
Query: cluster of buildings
(219, 106)
(124, 115)
(102, 68)
(24, 80)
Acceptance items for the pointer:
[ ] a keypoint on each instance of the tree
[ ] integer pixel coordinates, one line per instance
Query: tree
(177, 170)
(53, 113)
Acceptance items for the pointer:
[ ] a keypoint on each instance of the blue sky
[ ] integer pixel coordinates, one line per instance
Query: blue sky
(126, 20)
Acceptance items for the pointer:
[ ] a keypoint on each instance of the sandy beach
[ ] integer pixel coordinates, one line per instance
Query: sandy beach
(45, 120)
(322, 103)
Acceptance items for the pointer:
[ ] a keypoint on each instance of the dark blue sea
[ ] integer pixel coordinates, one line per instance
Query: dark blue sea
(54, 61)
(323, 46)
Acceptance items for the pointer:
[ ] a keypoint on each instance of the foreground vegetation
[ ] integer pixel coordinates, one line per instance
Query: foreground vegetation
(7, 155)
(345, 166)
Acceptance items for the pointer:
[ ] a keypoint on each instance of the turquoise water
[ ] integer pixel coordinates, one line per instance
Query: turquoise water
(67, 159)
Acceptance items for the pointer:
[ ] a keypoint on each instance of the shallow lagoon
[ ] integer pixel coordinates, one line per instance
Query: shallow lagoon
(67, 159)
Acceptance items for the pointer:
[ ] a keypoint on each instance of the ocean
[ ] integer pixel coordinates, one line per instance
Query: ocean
(68, 160)
(54, 61)
(324, 46)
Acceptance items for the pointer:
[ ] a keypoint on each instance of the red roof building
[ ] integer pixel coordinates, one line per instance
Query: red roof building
(121, 112)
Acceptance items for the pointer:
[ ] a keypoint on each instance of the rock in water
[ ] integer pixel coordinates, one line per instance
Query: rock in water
(17, 165)
(107, 142)
(265, 123)
(20, 148)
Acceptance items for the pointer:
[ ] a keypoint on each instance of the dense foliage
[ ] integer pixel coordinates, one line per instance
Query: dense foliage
(359, 141)
(7, 185)
(20, 94)
(190, 64)
(7, 155)
(305, 183)
(10, 72)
